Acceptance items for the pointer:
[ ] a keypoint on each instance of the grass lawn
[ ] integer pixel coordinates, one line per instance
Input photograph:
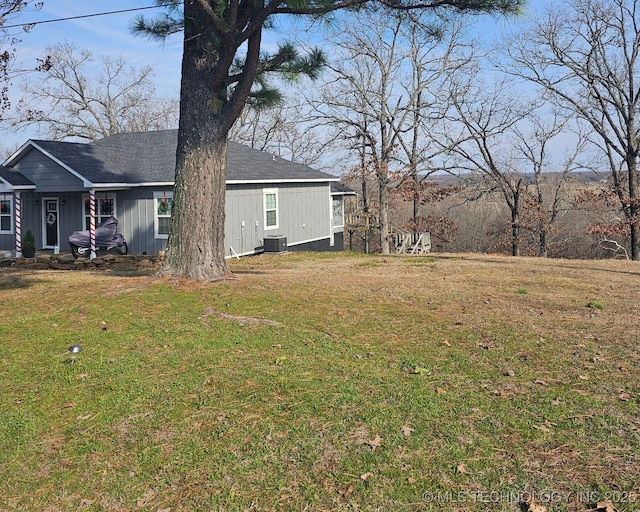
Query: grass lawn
(324, 382)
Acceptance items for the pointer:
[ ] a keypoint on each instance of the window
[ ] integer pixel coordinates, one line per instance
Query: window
(6, 214)
(271, 208)
(105, 208)
(163, 208)
(338, 211)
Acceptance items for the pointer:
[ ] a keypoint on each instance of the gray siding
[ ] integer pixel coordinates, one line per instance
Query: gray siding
(136, 216)
(303, 215)
(49, 176)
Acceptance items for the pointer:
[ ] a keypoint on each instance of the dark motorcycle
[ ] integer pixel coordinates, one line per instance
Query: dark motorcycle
(107, 237)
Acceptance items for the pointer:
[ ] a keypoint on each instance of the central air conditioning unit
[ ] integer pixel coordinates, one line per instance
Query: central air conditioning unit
(275, 243)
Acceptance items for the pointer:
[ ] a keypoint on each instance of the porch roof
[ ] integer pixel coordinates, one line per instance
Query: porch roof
(14, 180)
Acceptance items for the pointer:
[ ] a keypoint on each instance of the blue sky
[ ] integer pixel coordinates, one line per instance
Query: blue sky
(110, 35)
(102, 35)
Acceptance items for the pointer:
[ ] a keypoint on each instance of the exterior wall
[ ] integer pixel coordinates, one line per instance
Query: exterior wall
(33, 216)
(136, 217)
(49, 176)
(303, 215)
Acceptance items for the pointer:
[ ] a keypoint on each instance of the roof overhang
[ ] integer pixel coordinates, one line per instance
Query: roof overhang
(5, 187)
(276, 181)
(127, 186)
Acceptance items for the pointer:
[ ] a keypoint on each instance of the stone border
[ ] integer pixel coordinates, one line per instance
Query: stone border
(66, 261)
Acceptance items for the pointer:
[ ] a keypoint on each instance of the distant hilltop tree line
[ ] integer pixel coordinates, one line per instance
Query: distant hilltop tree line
(470, 215)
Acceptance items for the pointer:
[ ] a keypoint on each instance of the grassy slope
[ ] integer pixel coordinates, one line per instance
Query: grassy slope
(334, 382)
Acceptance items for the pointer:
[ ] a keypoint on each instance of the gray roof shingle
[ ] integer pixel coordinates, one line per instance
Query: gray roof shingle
(14, 178)
(149, 157)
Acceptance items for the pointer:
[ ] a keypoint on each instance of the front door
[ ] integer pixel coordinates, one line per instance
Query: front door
(50, 231)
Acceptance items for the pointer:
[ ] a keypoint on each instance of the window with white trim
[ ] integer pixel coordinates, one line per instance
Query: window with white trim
(105, 208)
(270, 208)
(6, 214)
(163, 208)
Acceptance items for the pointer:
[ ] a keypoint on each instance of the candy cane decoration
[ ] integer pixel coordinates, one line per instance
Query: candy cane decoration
(18, 209)
(92, 222)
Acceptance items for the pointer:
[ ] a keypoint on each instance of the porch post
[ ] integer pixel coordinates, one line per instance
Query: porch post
(18, 209)
(92, 222)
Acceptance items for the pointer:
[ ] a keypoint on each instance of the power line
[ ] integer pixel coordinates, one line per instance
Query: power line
(33, 23)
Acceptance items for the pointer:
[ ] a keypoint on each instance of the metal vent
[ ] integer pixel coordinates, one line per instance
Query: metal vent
(275, 243)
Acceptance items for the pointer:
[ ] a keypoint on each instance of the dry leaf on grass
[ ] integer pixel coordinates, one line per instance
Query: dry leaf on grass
(532, 506)
(462, 468)
(407, 431)
(375, 443)
(365, 476)
(542, 427)
(604, 506)
(346, 491)
(622, 395)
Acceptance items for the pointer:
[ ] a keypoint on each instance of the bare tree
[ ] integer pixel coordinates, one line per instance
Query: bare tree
(384, 91)
(9, 10)
(281, 130)
(73, 103)
(502, 138)
(435, 60)
(474, 136)
(585, 54)
(547, 197)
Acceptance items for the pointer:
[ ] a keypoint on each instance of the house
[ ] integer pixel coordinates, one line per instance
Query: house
(55, 188)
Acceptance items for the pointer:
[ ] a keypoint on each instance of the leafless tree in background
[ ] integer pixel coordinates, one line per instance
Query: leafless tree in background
(384, 87)
(9, 11)
(585, 54)
(548, 194)
(281, 130)
(474, 136)
(73, 103)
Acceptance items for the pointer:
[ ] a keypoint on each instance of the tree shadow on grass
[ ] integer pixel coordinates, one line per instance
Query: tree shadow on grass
(16, 280)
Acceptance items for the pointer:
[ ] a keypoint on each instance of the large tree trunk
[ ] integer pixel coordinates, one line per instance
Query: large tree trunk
(515, 230)
(385, 246)
(196, 244)
(195, 248)
(543, 251)
(634, 210)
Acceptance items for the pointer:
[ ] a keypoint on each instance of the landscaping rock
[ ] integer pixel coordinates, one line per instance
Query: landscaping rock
(66, 261)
